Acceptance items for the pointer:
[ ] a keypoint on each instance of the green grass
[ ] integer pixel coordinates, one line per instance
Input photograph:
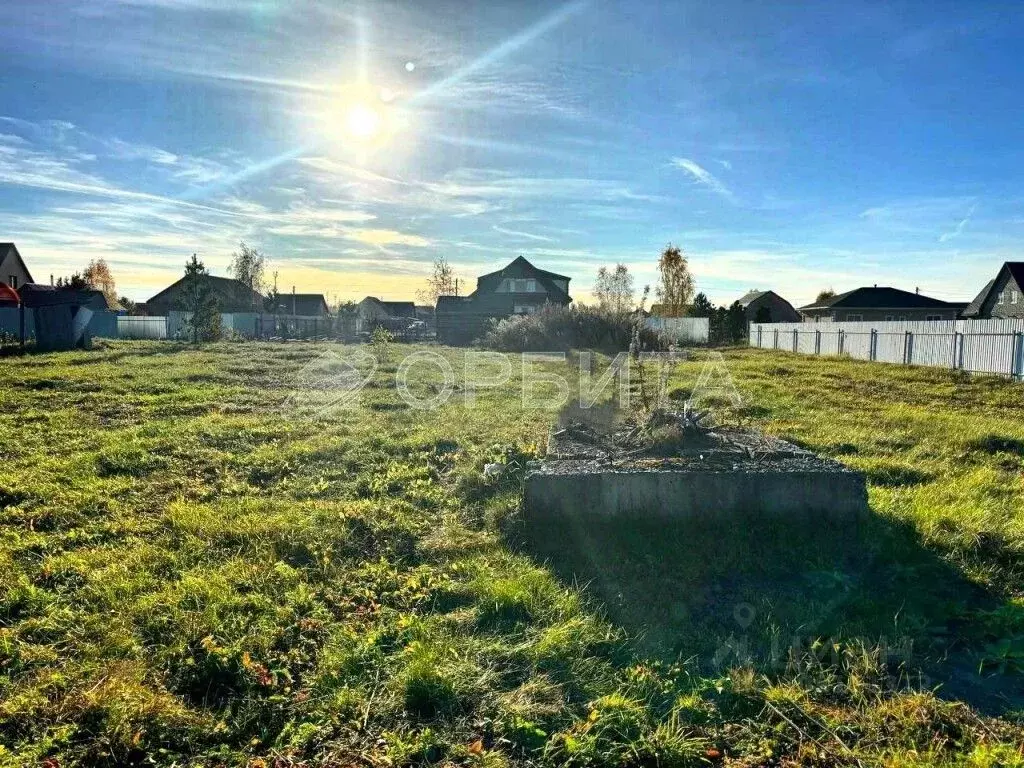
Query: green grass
(193, 574)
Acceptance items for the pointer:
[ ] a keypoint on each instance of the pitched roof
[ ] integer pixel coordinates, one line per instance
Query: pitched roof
(303, 304)
(881, 298)
(751, 296)
(101, 300)
(7, 248)
(1016, 270)
(521, 261)
(974, 308)
(237, 290)
(395, 308)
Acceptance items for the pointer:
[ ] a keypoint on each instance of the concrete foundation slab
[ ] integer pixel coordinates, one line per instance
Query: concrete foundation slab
(731, 476)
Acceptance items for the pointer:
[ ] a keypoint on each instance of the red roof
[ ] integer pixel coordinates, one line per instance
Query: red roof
(8, 295)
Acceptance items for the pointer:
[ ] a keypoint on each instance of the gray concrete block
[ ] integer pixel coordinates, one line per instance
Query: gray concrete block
(783, 483)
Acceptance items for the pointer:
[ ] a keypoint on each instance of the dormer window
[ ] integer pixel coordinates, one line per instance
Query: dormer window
(525, 285)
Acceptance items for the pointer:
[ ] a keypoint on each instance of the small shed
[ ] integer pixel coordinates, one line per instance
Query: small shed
(61, 316)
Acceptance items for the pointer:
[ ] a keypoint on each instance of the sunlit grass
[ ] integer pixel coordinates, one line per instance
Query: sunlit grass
(192, 574)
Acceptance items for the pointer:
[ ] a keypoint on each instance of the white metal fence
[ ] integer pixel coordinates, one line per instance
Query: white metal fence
(248, 325)
(138, 327)
(977, 346)
(681, 329)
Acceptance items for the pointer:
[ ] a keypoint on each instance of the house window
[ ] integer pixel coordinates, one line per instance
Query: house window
(854, 318)
(890, 318)
(524, 309)
(933, 317)
(524, 286)
(1013, 297)
(12, 280)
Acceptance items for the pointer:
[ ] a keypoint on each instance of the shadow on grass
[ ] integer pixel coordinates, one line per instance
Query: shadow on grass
(765, 593)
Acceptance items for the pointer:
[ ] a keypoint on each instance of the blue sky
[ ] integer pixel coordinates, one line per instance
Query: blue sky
(793, 146)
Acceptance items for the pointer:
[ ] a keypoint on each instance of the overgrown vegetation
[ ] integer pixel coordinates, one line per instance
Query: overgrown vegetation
(554, 328)
(191, 574)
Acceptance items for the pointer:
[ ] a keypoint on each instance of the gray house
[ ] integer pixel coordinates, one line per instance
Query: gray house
(302, 304)
(1001, 297)
(372, 312)
(13, 271)
(767, 307)
(880, 304)
(231, 295)
(518, 288)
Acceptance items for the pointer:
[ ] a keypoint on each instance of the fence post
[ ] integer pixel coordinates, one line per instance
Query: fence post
(842, 340)
(775, 342)
(953, 351)
(817, 342)
(1018, 366)
(873, 345)
(908, 347)
(759, 329)
(796, 339)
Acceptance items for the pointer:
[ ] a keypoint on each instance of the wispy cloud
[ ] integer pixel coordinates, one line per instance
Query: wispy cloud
(704, 177)
(381, 237)
(958, 230)
(523, 235)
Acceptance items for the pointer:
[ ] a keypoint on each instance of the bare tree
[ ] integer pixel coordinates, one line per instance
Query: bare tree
(676, 288)
(614, 290)
(440, 283)
(248, 266)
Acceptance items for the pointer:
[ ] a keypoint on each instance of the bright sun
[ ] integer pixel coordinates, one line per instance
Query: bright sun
(362, 117)
(362, 121)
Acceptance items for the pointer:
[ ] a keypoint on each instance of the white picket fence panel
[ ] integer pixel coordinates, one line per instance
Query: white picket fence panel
(976, 346)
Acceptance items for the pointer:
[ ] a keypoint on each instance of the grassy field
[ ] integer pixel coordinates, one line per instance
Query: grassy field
(196, 571)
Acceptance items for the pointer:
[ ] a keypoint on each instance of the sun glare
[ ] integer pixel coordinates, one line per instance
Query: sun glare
(362, 122)
(362, 117)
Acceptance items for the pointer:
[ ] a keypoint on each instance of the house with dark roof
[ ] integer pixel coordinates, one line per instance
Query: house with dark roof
(372, 312)
(13, 271)
(519, 288)
(880, 304)
(301, 304)
(767, 307)
(100, 302)
(1002, 297)
(231, 295)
